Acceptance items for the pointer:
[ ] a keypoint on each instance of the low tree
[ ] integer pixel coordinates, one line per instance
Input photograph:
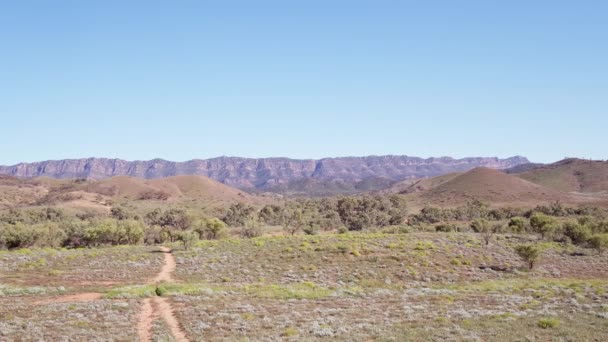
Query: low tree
(122, 213)
(578, 233)
(238, 214)
(251, 228)
(485, 229)
(188, 238)
(292, 220)
(543, 224)
(599, 242)
(529, 254)
(210, 229)
(132, 231)
(517, 224)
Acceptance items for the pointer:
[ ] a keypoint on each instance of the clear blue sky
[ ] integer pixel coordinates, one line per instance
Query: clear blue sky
(196, 79)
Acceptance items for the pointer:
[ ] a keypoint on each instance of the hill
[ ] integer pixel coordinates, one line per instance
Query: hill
(283, 175)
(170, 188)
(571, 175)
(487, 185)
(100, 194)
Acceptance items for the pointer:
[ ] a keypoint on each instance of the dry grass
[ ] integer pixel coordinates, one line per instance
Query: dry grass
(334, 287)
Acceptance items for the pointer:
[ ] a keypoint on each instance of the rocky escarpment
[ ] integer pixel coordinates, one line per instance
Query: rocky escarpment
(264, 173)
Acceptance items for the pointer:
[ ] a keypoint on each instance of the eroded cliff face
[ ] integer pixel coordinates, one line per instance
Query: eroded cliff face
(262, 173)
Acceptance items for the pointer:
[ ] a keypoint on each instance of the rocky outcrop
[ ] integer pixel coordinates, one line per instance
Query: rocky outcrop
(263, 173)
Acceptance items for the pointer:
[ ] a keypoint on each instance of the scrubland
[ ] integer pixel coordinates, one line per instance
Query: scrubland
(353, 286)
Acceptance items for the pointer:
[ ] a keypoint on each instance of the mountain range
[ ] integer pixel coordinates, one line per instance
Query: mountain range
(572, 182)
(283, 175)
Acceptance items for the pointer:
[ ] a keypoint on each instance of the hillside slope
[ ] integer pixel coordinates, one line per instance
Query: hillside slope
(490, 186)
(571, 175)
(92, 194)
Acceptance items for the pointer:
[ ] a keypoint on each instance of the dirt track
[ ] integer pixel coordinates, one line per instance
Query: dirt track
(158, 307)
(167, 269)
(80, 297)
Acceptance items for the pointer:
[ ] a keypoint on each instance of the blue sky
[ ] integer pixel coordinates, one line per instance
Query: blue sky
(305, 79)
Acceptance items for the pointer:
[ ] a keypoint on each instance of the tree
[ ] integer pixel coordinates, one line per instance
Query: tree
(188, 238)
(599, 242)
(251, 228)
(211, 229)
(177, 218)
(121, 213)
(271, 215)
(486, 229)
(577, 232)
(529, 254)
(517, 224)
(292, 219)
(543, 224)
(238, 214)
(132, 231)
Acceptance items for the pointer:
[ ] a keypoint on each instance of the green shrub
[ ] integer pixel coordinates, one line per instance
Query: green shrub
(599, 242)
(517, 224)
(543, 224)
(529, 254)
(251, 231)
(160, 291)
(131, 232)
(210, 229)
(445, 227)
(547, 323)
(188, 238)
(486, 229)
(22, 235)
(153, 235)
(577, 232)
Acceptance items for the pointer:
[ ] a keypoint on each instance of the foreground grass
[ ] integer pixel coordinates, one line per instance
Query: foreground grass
(306, 290)
(368, 286)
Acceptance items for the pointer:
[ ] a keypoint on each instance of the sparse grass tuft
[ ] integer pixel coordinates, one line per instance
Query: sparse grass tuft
(548, 323)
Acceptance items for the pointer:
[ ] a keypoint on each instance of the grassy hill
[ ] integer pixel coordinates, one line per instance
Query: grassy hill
(488, 185)
(100, 195)
(571, 175)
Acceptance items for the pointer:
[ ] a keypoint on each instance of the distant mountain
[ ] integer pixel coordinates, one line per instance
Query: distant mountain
(284, 175)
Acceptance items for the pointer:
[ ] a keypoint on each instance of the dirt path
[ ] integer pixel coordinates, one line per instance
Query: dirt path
(167, 269)
(80, 297)
(166, 312)
(159, 307)
(146, 317)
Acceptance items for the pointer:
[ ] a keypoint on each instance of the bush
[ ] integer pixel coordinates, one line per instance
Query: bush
(446, 227)
(577, 232)
(153, 235)
(486, 229)
(238, 214)
(131, 232)
(188, 238)
(21, 235)
(517, 224)
(600, 227)
(529, 254)
(543, 224)
(310, 229)
(599, 242)
(112, 232)
(122, 213)
(252, 229)
(210, 229)
(547, 323)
